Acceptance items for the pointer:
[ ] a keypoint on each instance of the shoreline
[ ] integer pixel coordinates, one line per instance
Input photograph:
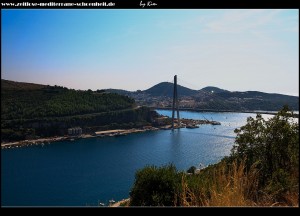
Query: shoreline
(295, 115)
(184, 123)
(119, 203)
(49, 140)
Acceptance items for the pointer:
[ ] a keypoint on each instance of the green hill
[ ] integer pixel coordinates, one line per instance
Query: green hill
(29, 110)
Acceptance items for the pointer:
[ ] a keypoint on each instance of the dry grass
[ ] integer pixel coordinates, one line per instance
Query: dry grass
(231, 187)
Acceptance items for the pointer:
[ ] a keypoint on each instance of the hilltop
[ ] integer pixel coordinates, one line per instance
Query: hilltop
(213, 89)
(12, 85)
(166, 89)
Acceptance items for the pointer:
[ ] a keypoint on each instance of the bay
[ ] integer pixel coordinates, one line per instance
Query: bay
(88, 171)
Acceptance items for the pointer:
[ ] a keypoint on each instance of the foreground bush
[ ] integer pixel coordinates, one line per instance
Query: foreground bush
(155, 186)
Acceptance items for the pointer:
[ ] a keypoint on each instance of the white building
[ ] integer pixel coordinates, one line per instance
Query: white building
(76, 131)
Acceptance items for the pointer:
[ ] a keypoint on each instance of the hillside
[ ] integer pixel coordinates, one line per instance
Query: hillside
(12, 85)
(166, 89)
(28, 102)
(29, 110)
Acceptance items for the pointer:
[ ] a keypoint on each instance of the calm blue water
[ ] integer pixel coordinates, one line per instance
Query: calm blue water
(94, 170)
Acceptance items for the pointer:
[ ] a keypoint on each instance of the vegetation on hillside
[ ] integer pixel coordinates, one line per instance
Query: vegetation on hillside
(262, 170)
(32, 111)
(53, 101)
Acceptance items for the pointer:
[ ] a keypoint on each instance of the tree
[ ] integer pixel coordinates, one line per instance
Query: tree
(274, 145)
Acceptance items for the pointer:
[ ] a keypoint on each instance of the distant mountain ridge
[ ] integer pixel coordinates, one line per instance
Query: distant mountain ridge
(210, 97)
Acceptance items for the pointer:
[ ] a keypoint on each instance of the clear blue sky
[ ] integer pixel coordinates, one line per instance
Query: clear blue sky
(237, 50)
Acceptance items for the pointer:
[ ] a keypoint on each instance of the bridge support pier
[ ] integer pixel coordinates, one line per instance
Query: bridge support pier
(175, 104)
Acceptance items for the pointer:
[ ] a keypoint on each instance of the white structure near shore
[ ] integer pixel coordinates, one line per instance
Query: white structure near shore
(76, 131)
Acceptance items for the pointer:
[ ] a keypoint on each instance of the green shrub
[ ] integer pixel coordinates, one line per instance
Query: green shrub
(155, 186)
